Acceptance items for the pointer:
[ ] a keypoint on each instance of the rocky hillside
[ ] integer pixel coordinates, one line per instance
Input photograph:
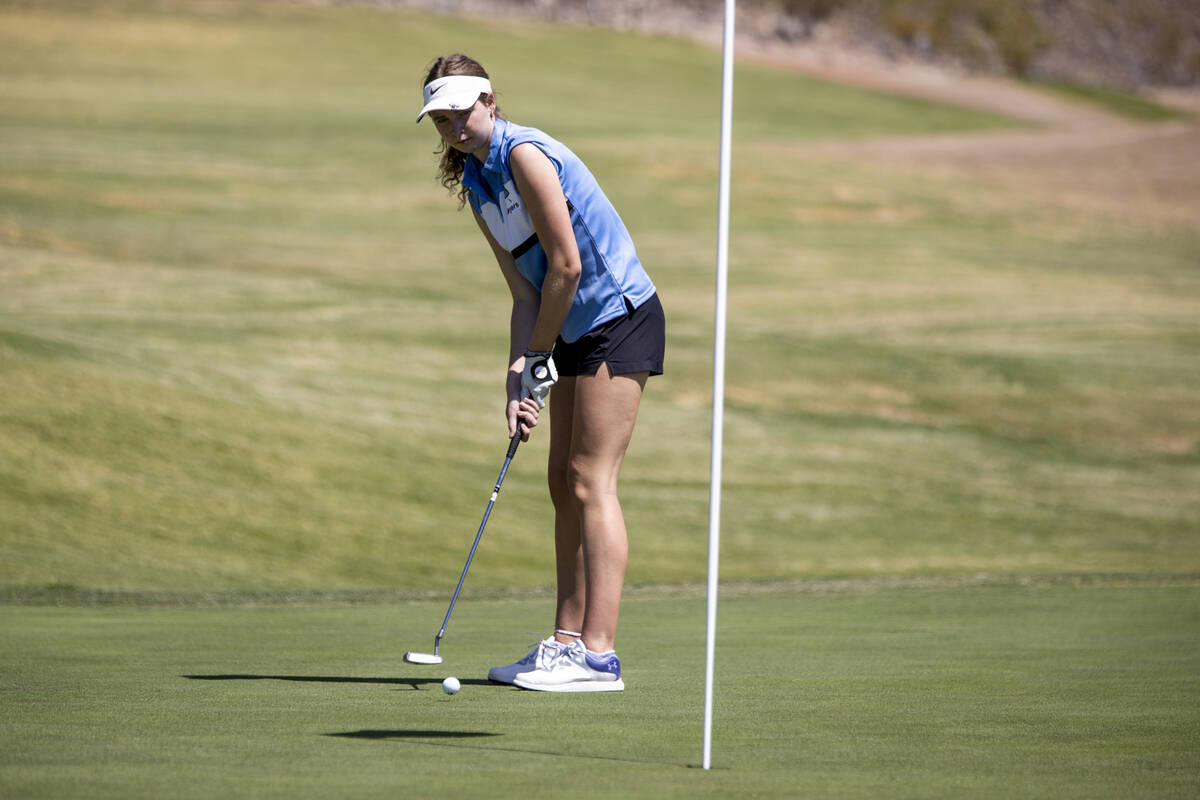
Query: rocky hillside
(1118, 43)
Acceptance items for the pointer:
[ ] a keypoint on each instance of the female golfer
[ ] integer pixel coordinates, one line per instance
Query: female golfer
(586, 320)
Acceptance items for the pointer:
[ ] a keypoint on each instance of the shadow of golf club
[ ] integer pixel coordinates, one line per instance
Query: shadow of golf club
(415, 683)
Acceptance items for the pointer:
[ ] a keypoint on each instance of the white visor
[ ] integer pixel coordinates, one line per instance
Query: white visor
(453, 93)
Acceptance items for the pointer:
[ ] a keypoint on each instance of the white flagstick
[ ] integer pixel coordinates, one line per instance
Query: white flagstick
(718, 413)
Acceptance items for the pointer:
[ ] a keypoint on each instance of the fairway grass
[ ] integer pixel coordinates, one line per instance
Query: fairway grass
(247, 344)
(981, 691)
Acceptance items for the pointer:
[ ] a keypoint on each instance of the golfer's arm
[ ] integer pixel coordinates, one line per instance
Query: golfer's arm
(525, 304)
(537, 182)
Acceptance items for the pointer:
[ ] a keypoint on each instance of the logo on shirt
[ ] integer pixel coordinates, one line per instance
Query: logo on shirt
(507, 217)
(511, 201)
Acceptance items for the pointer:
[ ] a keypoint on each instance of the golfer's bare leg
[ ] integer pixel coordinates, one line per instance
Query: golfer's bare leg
(568, 543)
(606, 409)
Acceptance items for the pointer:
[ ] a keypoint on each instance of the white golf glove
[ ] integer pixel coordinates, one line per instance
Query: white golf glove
(539, 375)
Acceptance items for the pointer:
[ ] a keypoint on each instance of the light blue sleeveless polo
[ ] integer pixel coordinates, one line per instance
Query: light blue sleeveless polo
(611, 272)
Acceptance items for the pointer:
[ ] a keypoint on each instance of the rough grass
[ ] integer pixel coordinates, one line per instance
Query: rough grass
(247, 344)
(1127, 104)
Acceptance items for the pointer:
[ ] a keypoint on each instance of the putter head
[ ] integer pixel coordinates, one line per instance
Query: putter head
(422, 658)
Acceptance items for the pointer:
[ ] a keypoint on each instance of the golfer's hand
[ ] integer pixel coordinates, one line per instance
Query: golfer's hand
(524, 412)
(539, 375)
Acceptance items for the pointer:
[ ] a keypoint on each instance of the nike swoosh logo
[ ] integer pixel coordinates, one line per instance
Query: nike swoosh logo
(432, 92)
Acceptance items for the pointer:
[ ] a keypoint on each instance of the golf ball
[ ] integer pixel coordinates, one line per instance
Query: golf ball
(451, 685)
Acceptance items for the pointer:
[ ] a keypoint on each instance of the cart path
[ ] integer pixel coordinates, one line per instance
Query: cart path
(1072, 153)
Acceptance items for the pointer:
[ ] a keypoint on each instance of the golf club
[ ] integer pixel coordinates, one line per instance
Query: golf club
(435, 657)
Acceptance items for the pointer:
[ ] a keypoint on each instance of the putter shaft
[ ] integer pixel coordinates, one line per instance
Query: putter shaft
(512, 451)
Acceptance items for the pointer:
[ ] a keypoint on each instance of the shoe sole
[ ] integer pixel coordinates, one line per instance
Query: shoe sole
(575, 686)
(496, 674)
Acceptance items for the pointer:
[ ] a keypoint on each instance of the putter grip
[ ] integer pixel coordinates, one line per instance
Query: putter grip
(516, 440)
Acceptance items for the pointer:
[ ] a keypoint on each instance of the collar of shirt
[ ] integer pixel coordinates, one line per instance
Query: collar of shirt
(473, 170)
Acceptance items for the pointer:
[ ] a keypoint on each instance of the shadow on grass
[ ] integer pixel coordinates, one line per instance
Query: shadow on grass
(425, 736)
(415, 683)
(402, 734)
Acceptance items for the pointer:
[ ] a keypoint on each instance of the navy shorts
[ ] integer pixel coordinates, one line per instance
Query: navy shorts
(635, 342)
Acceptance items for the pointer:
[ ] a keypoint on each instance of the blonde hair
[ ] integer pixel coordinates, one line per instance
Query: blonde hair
(450, 166)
